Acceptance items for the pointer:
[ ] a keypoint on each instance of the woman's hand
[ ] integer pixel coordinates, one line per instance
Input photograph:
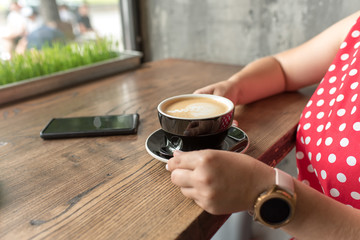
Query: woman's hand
(218, 181)
(257, 80)
(226, 89)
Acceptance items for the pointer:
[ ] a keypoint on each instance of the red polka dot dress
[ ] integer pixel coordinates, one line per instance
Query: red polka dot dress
(328, 137)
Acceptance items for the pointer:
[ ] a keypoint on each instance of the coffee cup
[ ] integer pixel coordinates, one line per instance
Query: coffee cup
(194, 122)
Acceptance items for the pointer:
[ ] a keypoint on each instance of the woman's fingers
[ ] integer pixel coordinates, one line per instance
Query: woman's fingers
(182, 177)
(183, 160)
(189, 193)
(205, 90)
(235, 123)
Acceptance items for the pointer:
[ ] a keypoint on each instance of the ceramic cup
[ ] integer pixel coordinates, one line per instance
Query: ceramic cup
(194, 122)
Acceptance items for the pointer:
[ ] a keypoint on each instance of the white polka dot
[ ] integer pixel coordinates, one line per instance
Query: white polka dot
(300, 155)
(340, 97)
(319, 142)
(308, 114)
(330, 113)
(320, 91)
(323, 174)
(342, 127)
(328, 141)
(332, 158)
(355, 34)
(341, 86)
(341, 177)
(345, 67)
(310, 168)
(355, 195)
(353, 110)
(344, 56)
(341, 112)
(353, 61)
(310, 155)
(309, 103)
(357, 45)
(332, 79)
(318, 157)
(320, 128)
(353, 72)
(351, 161)
(328, 125)
(353, 99)
(356, 126)
(344, 142)
(307, 140)
(320, 115)
(332, 68)
(334, 192)
(320, 103)
(306, 182)
(343, 78)
(331, 103)
(307, 126)
(355, 52)
(354, 85)
(343, 45)
(332, 90)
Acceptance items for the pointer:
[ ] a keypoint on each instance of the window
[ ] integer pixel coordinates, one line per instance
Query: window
(80, 22)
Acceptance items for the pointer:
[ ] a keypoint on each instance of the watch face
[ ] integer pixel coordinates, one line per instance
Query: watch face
(275, 211)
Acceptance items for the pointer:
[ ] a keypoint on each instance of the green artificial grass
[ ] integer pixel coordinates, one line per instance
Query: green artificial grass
(35, 63)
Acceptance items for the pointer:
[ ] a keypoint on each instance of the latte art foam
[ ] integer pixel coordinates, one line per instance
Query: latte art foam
(195, 108)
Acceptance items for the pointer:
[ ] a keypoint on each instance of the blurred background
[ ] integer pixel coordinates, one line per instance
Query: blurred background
(81, 21)
(227, 31)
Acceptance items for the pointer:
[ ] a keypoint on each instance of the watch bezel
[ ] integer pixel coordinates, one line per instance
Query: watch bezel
(275, 193)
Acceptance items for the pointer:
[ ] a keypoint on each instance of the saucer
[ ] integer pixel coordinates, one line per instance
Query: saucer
(235, 141)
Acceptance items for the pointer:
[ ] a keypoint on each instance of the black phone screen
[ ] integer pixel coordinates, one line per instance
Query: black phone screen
(91, 126)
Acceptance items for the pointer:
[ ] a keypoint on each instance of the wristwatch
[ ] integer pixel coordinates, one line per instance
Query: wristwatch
(276, 207)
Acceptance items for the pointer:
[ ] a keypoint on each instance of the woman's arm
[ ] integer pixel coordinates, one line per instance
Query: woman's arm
(320, 217)
(234, 183)
(287, 71)
(307, 64)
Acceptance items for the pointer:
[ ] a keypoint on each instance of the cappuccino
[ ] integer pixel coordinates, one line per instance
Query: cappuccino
(194, 107)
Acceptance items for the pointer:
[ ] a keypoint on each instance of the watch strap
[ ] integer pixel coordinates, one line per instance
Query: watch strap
(284, 181)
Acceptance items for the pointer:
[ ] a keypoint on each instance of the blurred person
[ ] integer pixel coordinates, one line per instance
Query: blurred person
(33, 22)
(33, 19)
(39, 33)
(84, 19)
(86, 30)
(67, 16)
(15, 28)
(45, 35)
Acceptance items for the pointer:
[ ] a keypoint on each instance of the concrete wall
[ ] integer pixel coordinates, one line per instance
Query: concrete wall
(234, 31)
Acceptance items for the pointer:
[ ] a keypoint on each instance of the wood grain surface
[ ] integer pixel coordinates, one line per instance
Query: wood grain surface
(110, 187)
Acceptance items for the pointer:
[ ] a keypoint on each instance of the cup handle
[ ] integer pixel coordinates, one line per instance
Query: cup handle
(172, 144)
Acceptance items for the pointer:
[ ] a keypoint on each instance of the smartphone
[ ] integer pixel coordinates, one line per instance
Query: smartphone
(91, 126)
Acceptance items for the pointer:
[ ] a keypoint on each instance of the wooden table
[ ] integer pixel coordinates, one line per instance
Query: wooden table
(110, 187)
